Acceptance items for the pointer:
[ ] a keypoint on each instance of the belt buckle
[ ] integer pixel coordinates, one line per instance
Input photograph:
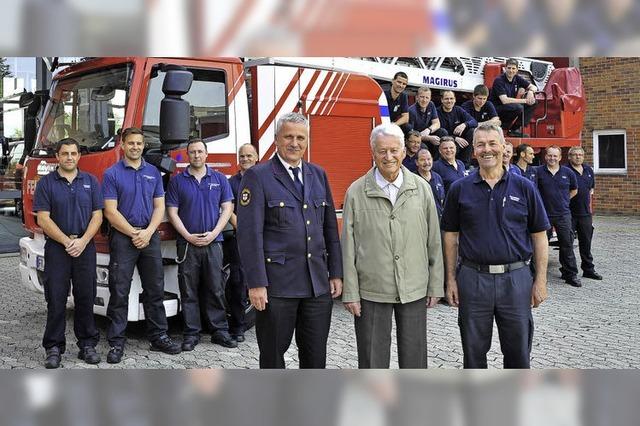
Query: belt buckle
(496, 269)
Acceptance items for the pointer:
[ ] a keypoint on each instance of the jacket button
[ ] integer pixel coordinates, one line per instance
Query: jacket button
(324, 204)
(397, 299)
(308, 238)
(268, 260)
(308, 222)
(304, 206)
(396, 257)
(309, 255)
(392, 217)
(281, 204)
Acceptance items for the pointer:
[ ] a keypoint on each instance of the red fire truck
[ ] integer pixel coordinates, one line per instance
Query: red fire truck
(232, 101)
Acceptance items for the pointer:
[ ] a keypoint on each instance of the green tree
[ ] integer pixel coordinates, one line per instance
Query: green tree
(4, 72)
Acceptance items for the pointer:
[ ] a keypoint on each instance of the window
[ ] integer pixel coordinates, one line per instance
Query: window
(610, 151)
(89, 108)
(207, 102)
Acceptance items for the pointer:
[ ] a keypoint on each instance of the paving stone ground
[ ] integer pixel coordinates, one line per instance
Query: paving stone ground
(596, 326)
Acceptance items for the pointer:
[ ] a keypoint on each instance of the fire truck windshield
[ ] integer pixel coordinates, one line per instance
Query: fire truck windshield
(89, 108)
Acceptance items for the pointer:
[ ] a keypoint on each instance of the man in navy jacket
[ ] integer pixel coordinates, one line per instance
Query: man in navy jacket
(288, 241)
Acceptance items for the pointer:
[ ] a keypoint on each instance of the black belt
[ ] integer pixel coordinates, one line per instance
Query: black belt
(496, 269)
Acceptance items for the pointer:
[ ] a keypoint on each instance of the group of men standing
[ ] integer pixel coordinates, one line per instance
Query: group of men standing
(416, 223)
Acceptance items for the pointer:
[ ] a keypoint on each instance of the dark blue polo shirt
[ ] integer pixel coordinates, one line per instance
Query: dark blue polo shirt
(134, 190)
(448, 173)
(199, 203)
(554, 189)
(410, 162)
(419, 120)
(451, 120)
(437, 187)
(494, 225)
(515, 170)
(487, 112)
(70, 204)
(502, 86)
(398, 106)
(234, 182)
(530, 173)
(580, 205)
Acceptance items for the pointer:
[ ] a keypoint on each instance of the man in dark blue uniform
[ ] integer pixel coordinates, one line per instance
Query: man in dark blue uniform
(288, 241)
(423, 117)
(199, 204)
(480, 108)
(447, 166)
(413, 144)
(459, 124)
(582, 221)
(557, 185)
(424, 162)
(504, 96)
(495, 223)
(134, 205)
(236, 290)
(524, 160)
(68, 203)
(398, 101)
(506, 159)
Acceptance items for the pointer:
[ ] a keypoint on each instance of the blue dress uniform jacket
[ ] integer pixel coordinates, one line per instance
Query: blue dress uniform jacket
(287, 243)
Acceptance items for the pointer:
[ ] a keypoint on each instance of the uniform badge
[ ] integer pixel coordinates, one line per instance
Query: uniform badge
(245, 197)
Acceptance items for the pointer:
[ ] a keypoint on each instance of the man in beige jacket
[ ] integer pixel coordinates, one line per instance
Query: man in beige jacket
(392, 255)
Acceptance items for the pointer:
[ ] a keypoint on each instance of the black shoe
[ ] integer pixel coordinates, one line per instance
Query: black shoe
(223, 338)
(115, 354)
(573, 281)
(166, 345)
(593, 275)
(517, 134)
(189, 343)
(53, 358)
(89, 355)
(238, 337)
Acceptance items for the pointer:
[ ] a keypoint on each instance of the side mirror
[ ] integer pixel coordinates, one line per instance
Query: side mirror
(175, 111)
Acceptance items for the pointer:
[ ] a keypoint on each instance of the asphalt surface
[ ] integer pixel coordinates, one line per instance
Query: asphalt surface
(596, 326)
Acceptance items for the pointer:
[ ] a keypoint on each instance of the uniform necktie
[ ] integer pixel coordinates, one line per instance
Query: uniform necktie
(296, 179)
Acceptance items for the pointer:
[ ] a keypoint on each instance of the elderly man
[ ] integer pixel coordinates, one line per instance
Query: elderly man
(495, 223)
(288, 241)
(392, 255)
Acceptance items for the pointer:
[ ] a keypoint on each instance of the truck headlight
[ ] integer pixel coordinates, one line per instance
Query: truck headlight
(102, 276)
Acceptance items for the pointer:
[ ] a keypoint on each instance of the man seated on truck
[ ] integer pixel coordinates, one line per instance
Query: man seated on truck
(480, 108)
(458, 124)
(134, 205)
(423, 117)
(514, 109)
(398, 101)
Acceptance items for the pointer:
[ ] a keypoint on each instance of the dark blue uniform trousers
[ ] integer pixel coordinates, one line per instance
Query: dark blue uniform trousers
(568, 265)
(236, 288)
(583, 227)
(507, 297)
(59, 272)
(123, 260)
(311, 319)
(201, 284)
(522, 113)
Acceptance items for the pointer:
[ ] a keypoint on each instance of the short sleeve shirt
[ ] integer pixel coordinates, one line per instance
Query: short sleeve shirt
(502, 86)
(494, 224)
(70, 204)
(134, 189)
(420, 120)
(554, 189)
(487, 112)
(580, 205)
(398, 106)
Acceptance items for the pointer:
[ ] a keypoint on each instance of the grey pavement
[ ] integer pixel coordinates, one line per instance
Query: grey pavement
(596, 326)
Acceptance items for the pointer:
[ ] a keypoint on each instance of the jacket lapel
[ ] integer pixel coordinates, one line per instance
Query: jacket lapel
(283, 176)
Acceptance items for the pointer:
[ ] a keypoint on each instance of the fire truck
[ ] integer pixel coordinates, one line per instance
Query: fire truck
(231, 101)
